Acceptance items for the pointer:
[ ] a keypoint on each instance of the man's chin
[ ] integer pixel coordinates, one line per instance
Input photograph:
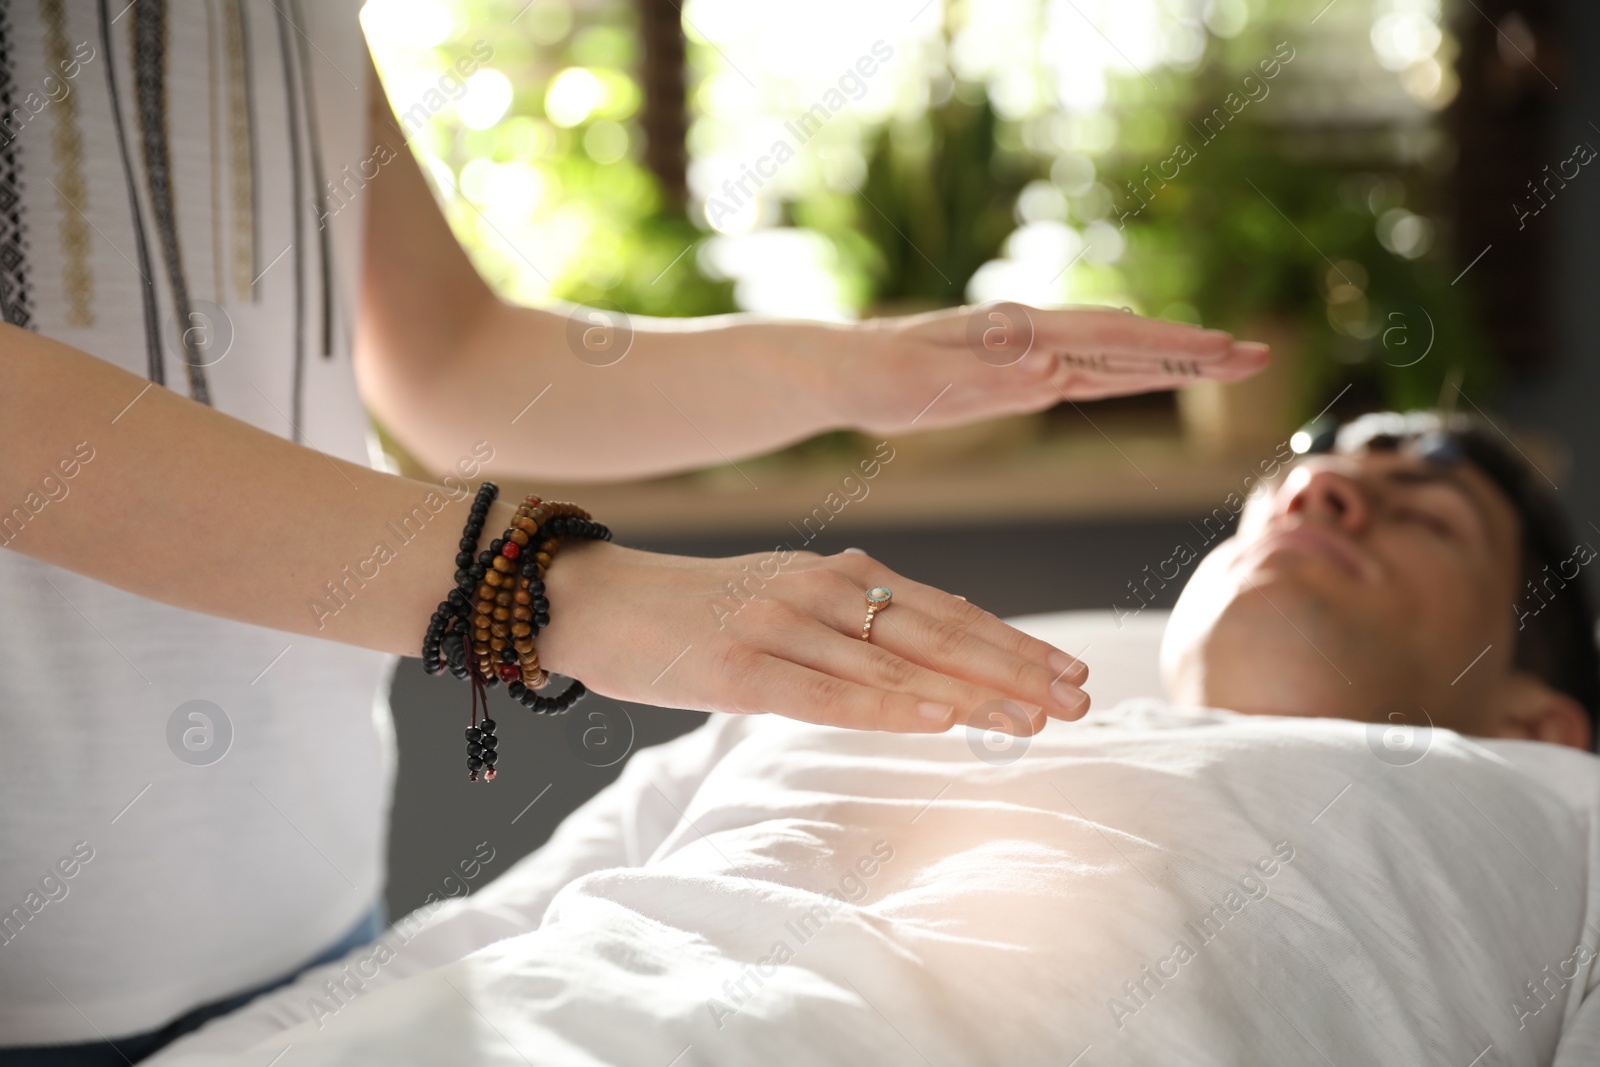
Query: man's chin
(1276, 629)
(1291, 597)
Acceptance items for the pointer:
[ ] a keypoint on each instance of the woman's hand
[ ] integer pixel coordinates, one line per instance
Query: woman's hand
(948, 367)
(780, 632)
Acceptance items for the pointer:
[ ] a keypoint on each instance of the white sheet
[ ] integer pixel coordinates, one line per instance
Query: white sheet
(1359, 912)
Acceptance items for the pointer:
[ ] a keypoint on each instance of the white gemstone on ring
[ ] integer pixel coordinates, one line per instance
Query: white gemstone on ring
(877, 599)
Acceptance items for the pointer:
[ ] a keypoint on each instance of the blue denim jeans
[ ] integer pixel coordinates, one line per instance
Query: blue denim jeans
(126, 1050)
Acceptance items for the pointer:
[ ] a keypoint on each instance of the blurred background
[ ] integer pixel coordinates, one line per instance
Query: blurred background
(1393, 193)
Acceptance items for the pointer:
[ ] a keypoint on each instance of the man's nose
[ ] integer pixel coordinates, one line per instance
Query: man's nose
(1325, 495)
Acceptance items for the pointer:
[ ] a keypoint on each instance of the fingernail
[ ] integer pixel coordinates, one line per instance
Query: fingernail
(933, 711)
(1068, 697)
(857, 551)
(1060, 662)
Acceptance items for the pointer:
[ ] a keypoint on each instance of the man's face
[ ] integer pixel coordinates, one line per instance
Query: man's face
(1355, 582)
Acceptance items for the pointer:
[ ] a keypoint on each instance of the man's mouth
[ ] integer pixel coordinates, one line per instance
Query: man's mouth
(1309, 538)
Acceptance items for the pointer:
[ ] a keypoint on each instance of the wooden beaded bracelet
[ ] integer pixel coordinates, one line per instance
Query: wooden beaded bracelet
(477, 631)
(511, 607)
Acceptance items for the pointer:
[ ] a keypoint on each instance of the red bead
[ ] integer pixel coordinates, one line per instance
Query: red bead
(488, 775)
(510, 672)
(511, 550)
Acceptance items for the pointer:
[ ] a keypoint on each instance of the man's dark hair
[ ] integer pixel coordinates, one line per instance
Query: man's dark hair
(1557, 642)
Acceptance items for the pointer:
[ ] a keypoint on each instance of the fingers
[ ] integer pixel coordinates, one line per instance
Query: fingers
(876, 664)
(1116, 332)
(910, 651)
(1082, 373)
(1056, 685)
(1070, 353)
(956, 613)
(1085, 327)
(1241, 359)
(1090, 379)
(939, 620)
(1238, 358)
(779, 685)
(1088, 332)
(1109, 341)
(934, 659)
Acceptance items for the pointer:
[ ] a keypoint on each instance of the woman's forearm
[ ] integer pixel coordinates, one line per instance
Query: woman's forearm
(146, 490)
(568, 398)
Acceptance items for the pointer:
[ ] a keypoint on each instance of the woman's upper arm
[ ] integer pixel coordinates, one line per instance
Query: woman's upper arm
(420, 294)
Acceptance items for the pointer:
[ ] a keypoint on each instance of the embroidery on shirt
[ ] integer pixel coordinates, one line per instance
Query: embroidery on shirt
(319, 182)
(14, 292)
(296, 196)
(72, 193)
(214, 147)
(244, 217)
(150, 86)
(156, 368)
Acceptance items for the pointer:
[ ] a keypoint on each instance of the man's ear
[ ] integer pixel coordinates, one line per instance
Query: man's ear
(1525, 708)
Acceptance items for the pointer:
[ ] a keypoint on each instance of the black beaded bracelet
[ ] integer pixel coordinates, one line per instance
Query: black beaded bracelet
(447, 644)
(456, 603)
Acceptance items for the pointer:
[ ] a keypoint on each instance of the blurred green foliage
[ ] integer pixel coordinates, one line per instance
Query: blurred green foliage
(937, 203)
(598, 231)
(1270, 221)
(1249, 234)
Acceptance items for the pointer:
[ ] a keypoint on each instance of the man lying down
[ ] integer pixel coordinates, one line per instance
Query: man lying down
(1270, 869)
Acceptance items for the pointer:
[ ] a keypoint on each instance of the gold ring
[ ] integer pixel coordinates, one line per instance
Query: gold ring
(878, 598)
